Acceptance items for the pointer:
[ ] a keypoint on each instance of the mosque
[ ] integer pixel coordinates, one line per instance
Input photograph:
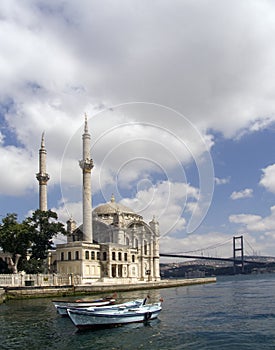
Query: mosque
(113, 245)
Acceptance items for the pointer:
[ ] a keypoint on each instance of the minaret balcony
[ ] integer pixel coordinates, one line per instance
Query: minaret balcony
(43, 178)
(86, 165)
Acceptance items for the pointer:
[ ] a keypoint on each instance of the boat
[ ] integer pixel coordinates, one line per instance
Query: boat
(62, 305)
(128, 304)
(113, 316)
(62, 310)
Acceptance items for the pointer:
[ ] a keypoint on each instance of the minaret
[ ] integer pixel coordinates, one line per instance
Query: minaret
(42, 176)
(155, 228)
(86, 164)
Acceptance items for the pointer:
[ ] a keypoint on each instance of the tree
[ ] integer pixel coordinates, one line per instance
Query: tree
(15, 238)
(31, 239)
(44, 227)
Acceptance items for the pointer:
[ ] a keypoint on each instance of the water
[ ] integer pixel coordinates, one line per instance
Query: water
(234, 313)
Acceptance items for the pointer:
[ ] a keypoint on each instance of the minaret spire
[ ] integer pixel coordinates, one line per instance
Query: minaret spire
(86, 164)
(86, 124)
(42, 176)
(43, 140)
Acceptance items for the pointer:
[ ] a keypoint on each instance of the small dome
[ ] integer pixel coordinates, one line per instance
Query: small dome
(112, 207)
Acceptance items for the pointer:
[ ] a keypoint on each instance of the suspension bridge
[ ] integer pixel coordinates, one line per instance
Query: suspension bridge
(239, 258)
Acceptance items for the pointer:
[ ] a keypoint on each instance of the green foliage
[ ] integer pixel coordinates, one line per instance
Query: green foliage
(44, 227)
(3, 266)
(31, 239)
(33, 266)
(15, 237)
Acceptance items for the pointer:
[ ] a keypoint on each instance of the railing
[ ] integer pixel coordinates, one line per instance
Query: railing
(35, 280)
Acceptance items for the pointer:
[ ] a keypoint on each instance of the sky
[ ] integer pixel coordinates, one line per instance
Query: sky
(180, 100)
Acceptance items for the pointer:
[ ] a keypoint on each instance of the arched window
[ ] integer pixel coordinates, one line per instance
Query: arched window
(119, 256)
(87, 254)
(98, 255)
(113, 255)
(93, 255)
(133, 258)
(69, 255)
(62, 256)
(77, 255)
(125, 256)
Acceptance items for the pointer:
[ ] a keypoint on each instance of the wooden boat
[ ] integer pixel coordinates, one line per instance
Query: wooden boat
(62, 305)
(113, 316)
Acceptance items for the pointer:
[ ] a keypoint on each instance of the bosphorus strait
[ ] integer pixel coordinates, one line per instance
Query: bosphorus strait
(237, 312)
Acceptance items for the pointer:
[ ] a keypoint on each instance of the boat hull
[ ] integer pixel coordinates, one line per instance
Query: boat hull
(84, 319)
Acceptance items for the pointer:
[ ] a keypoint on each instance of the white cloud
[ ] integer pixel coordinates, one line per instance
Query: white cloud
(17, 176)
(254, 223)
(171, 203)
(215, 244)
(268, 178)
(246, 193)
(2, 138)
(222, 181)
(68, 210)
(58, 62)
(167, 202)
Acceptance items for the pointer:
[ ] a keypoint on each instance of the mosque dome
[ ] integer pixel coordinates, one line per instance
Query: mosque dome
(112, 208)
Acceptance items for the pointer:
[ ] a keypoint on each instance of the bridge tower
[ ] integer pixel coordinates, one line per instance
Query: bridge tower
(238, 253)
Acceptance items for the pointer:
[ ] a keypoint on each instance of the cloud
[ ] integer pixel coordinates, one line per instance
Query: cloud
(207, 73)
(168, 202)
(268, 178)
(171, 203)
(258, 230)
(222, 181)
(67, 210)
(215, 244)
(17, 177)
(254, 223)
(246, 193)
(59, 61)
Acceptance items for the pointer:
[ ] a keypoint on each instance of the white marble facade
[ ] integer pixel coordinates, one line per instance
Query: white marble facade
(124, 247)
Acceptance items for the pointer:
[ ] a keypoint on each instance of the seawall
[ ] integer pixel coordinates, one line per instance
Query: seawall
(43, 292)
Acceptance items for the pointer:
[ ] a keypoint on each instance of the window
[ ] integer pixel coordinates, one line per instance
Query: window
(104, 258)
(133, 258)
(125, 256)
(145, 248)
(119, 256)
(98, 255)
(62, 256)
(69, 255)
(113, 255)
(93, 255)
(87, 254)
(77, 255)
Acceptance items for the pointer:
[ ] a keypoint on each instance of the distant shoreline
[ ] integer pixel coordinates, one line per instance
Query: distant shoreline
(16, 293)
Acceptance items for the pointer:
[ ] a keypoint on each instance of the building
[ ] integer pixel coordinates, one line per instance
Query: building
(113, 245)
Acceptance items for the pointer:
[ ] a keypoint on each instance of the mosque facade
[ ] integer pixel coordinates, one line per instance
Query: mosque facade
(113, 245)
